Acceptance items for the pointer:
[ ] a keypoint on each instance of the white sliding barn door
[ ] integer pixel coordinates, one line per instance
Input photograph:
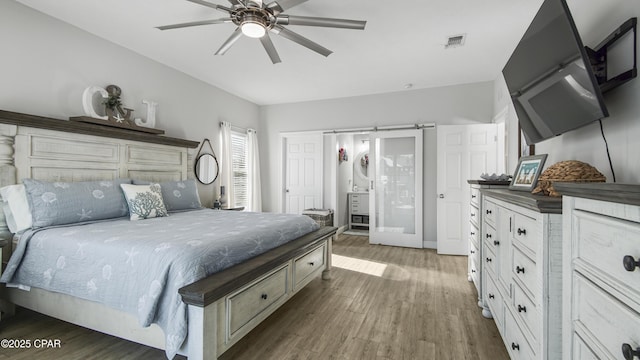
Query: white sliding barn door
(464, 152)
(395, 188)
(303, 173)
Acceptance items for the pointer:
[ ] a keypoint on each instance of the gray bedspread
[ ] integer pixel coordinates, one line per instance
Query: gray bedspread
(138, 266)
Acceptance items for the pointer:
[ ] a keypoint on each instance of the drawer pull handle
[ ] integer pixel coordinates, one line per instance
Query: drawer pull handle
(522, 231)
(488, 236)
(473, 214)
(264, 296)
(491, 296)
(473, 251)
(519, 270)
(522, 308)
(473, 234)
(488, 259)
(311, 263)
(473, 196)
(489, 212)
(515, 346)
(630, 263)
(473, 271)
(629, 353)
(496, 242)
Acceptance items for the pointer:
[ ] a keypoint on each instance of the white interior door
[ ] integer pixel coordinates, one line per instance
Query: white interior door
(395, 190)
(303, 173)
(464, 152)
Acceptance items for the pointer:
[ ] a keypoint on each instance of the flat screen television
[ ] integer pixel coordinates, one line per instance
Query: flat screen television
(550, 79)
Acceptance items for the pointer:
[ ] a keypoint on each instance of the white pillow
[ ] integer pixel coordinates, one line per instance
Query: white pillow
(145, 201)
(16, 208)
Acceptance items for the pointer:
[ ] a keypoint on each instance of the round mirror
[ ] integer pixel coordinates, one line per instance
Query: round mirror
(206, 168)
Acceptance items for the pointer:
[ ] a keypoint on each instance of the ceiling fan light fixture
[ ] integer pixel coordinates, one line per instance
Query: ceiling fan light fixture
(253, 26)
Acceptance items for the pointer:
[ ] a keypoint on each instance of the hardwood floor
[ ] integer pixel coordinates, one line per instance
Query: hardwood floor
(394, 303)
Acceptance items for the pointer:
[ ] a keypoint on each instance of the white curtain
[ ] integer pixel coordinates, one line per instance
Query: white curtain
(254, 196)
(226, 163)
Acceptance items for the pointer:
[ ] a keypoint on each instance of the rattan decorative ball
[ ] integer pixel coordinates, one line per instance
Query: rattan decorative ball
(566, 171)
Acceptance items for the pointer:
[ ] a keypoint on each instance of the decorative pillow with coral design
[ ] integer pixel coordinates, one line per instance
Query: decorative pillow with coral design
(145, 201)
(59, 203)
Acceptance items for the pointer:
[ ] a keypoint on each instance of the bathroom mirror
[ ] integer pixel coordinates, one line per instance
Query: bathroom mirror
(361, 170)
(206, 169)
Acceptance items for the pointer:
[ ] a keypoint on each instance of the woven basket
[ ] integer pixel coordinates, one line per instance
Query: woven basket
(566, 171)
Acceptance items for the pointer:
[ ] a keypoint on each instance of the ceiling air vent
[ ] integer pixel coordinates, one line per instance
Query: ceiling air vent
(455, 41)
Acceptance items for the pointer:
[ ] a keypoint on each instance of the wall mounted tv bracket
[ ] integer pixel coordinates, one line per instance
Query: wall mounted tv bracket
(598, 57)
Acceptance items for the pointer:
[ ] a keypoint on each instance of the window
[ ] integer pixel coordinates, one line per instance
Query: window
(239, 155)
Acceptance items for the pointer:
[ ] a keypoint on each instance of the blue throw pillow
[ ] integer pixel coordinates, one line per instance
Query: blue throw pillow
(59, 203)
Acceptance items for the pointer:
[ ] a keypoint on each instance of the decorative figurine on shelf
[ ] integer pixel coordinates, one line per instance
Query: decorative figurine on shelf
(113, 105)
(152, 106)
(342, 155)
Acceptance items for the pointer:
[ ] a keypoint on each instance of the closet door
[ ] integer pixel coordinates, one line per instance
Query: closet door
(395, 188)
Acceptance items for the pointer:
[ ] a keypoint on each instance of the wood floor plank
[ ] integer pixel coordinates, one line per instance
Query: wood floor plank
(420, 307)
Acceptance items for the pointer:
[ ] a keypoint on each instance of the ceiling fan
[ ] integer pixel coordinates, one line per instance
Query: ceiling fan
(256, 19)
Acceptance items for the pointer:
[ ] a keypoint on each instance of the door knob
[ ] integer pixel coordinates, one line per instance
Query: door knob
(441, 196)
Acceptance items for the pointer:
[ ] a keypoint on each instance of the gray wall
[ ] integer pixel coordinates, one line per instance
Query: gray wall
(622, 127)
(460, 104)
(46, 64)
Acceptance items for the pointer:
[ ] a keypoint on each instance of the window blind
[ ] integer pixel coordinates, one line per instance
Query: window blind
(239, 155)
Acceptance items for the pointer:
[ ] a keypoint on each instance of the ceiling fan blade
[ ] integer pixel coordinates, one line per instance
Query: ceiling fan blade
(281, 5)
(271, 50)
(194, 23)
(213, 6)
(230, 41)
(318, 21)
(297, 38)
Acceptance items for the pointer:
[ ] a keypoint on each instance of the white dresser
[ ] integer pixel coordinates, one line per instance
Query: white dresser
(359, 211)
(475, 263)
(601, 274)
(522, 264)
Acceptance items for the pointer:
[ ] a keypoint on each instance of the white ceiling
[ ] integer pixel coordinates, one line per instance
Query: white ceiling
(403, 43)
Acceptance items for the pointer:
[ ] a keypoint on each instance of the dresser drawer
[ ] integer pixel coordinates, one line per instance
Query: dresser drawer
(526, 233)
(515, 340)
(474, 252)
(602, 321)
(474, 235)
(359, 209)
(490, 262)
(490, 237)
(249, 302)
(524, 271)
(474, 272)
(475, 197)
(473, 214)
(602, 244)
(308, 264)
(525, 310)
(495, 302)
(490, 212)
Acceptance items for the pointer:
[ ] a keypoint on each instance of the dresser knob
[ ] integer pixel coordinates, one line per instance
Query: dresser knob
(488, 259)
(491, 296)
(473, 214)
(473, 271)
(473, 251)
(515, 346)
(630, 263)
(629, 353)
(496, 242)
(311, 263)
(488, 236)
(522, 231)
(488, 212)
(522, 308)
(473, 196)
(264, 296)
(519, 270)
(473, 234)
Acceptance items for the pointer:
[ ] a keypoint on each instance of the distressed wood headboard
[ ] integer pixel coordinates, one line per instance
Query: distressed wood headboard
(56, 150)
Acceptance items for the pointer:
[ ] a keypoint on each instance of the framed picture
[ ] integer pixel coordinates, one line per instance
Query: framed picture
(527, 172)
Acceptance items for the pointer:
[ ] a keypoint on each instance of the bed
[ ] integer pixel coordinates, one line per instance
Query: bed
(222, 300)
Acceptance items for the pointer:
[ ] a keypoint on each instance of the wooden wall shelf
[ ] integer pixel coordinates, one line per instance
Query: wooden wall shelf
(19, 119)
